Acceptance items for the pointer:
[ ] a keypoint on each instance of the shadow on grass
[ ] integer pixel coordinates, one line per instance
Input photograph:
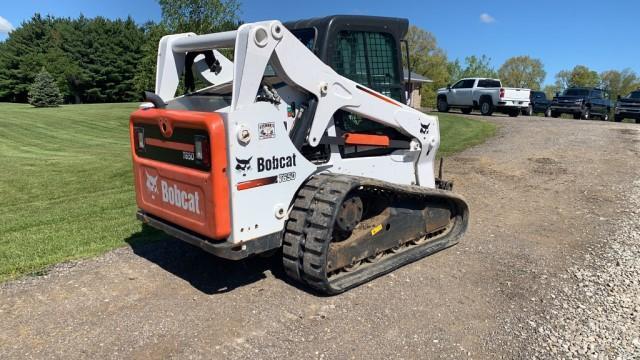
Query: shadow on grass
(205, 272)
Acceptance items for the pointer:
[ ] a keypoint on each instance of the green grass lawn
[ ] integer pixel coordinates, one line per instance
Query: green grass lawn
(458, 133)
(66, 185)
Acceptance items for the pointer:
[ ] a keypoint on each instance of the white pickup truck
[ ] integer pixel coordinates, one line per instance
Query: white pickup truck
(487, 95)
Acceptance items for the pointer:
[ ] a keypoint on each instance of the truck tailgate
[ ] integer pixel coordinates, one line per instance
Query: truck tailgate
(516, 94)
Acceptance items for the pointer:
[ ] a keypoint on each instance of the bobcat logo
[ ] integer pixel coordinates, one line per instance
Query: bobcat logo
(424, 129)
(152, 184)
(243, 165)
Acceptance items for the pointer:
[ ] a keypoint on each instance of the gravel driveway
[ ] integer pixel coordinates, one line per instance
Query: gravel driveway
(550, 268)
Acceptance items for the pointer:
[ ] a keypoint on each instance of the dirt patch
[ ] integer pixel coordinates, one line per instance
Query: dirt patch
(547, 167)
(628, 131)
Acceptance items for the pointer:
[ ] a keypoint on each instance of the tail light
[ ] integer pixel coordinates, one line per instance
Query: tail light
(138, 138)
(501, 93)
(202, 150)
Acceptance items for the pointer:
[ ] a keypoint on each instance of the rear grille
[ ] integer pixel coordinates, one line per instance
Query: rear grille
(178, 149)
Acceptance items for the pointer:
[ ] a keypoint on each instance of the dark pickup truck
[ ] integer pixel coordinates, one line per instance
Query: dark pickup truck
(582, 103)
(538, 104)
(628, 107)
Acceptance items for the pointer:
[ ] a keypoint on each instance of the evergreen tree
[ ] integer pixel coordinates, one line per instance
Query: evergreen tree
(92, 60)
(22, 54)
(44, 91)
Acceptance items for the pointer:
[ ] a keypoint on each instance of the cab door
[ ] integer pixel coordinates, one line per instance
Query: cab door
(456, 93)
(464, 94)
(370, 58)
(597, 102)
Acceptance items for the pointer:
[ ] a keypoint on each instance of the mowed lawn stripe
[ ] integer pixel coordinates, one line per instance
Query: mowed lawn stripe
(66, 184)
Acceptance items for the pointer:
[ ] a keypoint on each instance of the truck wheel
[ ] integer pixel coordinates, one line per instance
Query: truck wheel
(547, 113)
(514, 113)
(486, 107)
(466, 110)
(619, 118)
(586, 114)
(605, 116)
(443, 105)
(554, 114)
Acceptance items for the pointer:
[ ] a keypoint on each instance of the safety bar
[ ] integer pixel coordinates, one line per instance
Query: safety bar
(219, 40)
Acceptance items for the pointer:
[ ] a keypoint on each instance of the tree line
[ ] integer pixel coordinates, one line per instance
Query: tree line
(429, 60)
(103, 60)
(98, 59)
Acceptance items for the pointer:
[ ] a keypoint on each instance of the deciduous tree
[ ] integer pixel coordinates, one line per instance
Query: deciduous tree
(523, 72)
(145, 77)
(474, 66)
(429, 60)
(200, 16)
(563, 80)
(582, 76)
(551, 90)
(620, 82)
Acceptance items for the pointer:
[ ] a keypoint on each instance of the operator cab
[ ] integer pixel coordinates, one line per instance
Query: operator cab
(364, 49)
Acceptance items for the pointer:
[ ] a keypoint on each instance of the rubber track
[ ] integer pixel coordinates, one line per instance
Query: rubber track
(308, 231)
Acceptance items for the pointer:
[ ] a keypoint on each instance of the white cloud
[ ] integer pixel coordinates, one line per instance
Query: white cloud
(486, 18)
(5, 26)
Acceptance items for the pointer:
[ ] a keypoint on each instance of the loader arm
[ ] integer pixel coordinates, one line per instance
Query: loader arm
(269, 42)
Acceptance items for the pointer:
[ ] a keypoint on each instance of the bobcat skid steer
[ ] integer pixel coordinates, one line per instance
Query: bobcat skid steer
(302, 143)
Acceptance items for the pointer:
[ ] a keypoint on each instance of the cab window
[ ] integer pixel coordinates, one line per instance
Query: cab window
(487, 83)
(370, 59)
(458, 85)
(306, 36)
(467, 84)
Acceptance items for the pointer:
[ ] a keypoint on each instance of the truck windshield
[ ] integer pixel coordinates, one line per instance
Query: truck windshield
(576, 92)
(634, 95)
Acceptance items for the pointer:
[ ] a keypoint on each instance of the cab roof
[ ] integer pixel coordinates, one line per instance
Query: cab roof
(327, 28)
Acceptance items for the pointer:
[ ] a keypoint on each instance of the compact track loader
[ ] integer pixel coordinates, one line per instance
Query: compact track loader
(302, 143)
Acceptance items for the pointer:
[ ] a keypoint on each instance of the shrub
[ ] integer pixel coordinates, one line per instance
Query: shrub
(44, 92)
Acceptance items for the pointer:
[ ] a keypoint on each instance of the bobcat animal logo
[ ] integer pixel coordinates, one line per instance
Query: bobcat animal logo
(424, 129)
(152, 184)
(243, 165)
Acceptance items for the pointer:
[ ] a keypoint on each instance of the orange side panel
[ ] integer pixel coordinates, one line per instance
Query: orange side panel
(194, 199)
(366, 139)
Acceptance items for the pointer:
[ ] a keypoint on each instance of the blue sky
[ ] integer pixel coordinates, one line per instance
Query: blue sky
(601, 35)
